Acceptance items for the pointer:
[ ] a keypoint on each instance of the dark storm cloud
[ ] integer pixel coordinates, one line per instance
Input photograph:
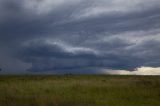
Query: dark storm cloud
(45, 56)
(80, 35)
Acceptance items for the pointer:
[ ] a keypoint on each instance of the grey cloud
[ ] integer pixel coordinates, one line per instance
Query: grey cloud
(45, 56)
(91, 34)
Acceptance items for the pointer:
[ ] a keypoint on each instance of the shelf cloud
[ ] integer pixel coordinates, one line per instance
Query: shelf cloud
(79, 36)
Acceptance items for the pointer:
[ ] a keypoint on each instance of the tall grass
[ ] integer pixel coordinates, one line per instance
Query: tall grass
(96, 90)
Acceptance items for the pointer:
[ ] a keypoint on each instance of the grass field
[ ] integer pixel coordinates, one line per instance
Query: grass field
(82, 90)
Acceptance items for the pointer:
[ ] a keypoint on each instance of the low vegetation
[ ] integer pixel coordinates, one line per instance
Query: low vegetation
(80, 90)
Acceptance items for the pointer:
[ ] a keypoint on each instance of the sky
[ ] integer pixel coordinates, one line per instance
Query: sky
(80, 37)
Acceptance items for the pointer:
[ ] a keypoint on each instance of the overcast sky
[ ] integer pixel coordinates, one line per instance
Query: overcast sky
(80, 36)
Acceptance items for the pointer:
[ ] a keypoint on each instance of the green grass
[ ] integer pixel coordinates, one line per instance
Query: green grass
(82, 90)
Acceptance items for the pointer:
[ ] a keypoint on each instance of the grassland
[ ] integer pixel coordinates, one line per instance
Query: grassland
(82, 90)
